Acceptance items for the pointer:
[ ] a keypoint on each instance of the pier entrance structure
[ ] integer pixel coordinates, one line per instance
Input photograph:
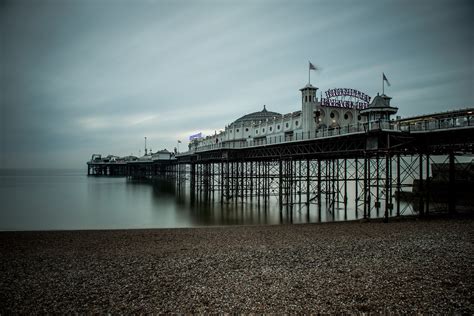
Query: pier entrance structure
(333, 155)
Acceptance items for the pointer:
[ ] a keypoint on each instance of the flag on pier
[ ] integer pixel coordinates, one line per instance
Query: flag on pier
(385, 79)
(311, 67)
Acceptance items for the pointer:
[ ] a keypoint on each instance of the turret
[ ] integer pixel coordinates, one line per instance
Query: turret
(379, 109)
(308, 100)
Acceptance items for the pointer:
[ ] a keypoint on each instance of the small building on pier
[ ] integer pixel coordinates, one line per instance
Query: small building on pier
(161, 155)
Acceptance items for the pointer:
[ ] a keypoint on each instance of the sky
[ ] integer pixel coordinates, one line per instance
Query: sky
(97, 76)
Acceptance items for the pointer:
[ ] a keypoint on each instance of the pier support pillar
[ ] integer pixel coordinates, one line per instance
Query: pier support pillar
(280, 184)
(319, 189)
(366, 188)
(421, 188)
(308, 189)
(356, 178)
(192, 179)
(345, 188)
(427, 185)
(452, 184)
(388, 183)
(399, 185)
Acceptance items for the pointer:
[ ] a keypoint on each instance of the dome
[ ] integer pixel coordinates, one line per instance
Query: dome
(257, 116)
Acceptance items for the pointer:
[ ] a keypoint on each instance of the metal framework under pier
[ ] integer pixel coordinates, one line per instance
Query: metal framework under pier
(376, 174)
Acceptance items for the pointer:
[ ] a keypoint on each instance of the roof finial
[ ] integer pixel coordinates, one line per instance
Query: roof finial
(264, 107)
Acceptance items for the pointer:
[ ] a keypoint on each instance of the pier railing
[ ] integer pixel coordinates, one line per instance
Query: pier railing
(418, 126)
(439, 124)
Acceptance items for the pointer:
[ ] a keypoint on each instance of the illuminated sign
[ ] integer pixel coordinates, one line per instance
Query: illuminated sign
(346, 98)
(195, 136)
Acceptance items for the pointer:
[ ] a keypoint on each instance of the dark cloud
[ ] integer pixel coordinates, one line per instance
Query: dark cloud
(80, 77)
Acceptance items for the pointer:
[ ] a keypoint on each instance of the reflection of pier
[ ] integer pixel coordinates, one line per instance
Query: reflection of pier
(375, 165)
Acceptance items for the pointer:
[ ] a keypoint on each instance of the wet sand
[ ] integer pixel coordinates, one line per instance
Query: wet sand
(407, 266)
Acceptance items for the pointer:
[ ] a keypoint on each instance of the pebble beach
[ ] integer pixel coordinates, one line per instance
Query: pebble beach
(406, 266)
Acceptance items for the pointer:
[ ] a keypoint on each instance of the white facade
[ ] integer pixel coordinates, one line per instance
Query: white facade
(274, 126)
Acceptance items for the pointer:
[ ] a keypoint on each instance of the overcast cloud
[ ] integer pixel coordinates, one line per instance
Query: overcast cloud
(84, 77)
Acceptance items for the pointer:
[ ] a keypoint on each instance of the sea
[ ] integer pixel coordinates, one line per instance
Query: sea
(68, 199)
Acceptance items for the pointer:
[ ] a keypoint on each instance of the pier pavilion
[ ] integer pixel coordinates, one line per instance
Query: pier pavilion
(341, 108)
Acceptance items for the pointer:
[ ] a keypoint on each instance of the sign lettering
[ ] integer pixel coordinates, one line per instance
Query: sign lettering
(332, 99)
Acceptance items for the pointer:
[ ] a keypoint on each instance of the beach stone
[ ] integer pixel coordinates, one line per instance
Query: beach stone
(409, 266)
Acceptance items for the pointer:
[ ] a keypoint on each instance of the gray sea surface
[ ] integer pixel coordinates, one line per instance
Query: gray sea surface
(67, 199)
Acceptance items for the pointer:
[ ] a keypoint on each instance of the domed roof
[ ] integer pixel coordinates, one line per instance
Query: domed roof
(257, 116)
(380, 101)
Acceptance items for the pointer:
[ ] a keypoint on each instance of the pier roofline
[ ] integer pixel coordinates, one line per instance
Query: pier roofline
(453, 130)
(440, 124)
(368, 139)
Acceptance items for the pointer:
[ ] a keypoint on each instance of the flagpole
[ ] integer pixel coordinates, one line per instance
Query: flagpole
(383, 85)
(309, 73)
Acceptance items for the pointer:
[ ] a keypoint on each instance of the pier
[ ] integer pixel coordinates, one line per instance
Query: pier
(382, 162)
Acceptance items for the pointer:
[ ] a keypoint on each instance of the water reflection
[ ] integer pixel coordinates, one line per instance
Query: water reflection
(56, 199)
(207, 210)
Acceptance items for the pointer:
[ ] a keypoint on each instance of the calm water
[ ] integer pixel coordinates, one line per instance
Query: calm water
(68, 199)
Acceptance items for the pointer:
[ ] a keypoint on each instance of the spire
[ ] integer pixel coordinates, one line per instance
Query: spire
(264, 108)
